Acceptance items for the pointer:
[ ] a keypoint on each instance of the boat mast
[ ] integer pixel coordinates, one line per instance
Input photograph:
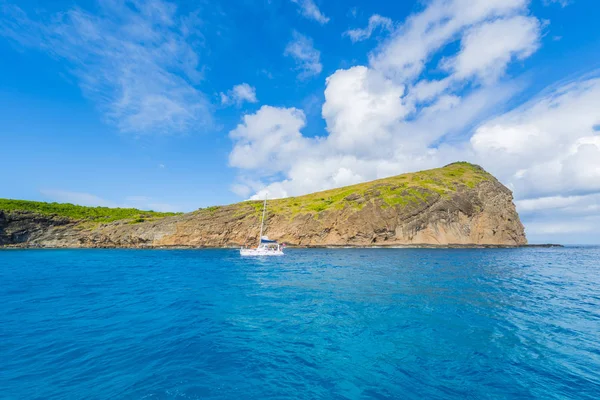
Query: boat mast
(262, 222)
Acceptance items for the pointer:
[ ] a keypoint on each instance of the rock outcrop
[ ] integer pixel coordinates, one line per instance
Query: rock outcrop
(459, 204)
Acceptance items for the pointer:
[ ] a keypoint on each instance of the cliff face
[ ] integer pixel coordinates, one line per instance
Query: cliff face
(459, 204)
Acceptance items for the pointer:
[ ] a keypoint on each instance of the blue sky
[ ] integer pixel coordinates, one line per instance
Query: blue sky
(178, 105)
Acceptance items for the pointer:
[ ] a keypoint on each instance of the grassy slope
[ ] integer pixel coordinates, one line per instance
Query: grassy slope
(91, 214)
(398, 190)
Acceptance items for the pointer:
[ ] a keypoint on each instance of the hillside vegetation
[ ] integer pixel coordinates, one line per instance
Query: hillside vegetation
(459, 204)
(75, 212)
(396, 191)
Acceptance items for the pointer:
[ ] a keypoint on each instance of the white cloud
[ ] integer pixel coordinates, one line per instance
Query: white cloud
(549, 228)
(547, 203)
(488, 48)
(79, 198)
(361, 107)
(268, 140)
(405, 54)
(91, 200)
(135, 60)
(389, 117)
(562, 3)
(241, 190)
(570, 219)
(572, 205)
(548, 145)
(382, 120)
(376, 21)
(307, 58)
(266, 73)
(148, 203)
(309, 9)
(239, 94)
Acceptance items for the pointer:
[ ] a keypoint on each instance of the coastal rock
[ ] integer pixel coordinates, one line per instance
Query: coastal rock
(459, 204)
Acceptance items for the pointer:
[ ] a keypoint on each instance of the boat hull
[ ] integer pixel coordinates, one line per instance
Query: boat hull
(260, 252)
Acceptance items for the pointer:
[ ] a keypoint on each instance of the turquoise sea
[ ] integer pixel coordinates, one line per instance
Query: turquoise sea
(315, 324)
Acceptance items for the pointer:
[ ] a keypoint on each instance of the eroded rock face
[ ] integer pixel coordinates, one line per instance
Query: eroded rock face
(22, 227)
(482, 215)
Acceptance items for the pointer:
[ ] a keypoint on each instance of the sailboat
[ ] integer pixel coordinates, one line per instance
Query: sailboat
(265, 246)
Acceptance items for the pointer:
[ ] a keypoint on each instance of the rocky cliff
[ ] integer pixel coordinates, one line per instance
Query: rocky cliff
(460, 204)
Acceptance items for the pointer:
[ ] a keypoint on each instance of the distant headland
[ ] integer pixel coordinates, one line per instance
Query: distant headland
(458, 205)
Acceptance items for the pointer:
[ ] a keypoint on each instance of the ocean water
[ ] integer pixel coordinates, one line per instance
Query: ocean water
(315, 324)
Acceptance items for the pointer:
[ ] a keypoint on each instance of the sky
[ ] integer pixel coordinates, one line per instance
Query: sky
(176, 105)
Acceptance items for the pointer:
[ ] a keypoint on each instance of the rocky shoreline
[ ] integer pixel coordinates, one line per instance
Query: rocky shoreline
(341, 247)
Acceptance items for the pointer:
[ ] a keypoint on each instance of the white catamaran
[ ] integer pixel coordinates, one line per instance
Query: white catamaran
(265, 247)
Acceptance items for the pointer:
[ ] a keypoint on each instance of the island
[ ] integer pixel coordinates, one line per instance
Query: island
(457, 205)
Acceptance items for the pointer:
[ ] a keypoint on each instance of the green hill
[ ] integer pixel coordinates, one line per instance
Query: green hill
(75, 212)
(401, 190)
(459, 204)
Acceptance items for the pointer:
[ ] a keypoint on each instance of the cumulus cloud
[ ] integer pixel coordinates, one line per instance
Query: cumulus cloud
(361, 106)
(382, 120)
(375, 22)
(239, 94)
(268, 140)
(136, 60)
(309, 9)
(307, 58)
(548, 145)
(388, 117)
